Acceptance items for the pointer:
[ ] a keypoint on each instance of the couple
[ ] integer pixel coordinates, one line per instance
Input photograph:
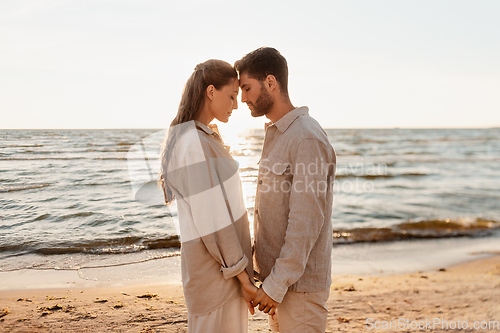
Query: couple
(291, 254)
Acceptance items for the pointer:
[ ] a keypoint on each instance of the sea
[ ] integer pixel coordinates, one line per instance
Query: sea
(68, 198)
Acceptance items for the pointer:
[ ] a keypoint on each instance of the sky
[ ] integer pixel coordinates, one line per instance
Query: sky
(354, 63)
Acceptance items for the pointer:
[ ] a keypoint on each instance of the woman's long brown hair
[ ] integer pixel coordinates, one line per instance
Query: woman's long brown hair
(211, 72)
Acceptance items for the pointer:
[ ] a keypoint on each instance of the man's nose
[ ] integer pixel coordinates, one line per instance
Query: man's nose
(243, 97)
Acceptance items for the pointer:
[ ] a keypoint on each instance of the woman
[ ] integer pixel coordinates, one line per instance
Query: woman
(198, 171)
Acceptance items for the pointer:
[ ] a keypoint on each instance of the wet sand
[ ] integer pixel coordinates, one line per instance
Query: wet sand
(467, 292)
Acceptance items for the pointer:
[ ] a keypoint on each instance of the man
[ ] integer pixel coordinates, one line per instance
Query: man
(293, 204)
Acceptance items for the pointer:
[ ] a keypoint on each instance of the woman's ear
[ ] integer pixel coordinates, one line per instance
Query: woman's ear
(210, 92)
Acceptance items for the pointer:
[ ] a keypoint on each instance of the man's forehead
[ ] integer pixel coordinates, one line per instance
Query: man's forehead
(245, 79)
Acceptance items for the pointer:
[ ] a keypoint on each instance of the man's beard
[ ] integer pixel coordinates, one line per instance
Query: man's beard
(263, 104)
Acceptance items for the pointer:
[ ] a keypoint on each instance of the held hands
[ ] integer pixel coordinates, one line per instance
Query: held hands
(256, 296)
(266, 303)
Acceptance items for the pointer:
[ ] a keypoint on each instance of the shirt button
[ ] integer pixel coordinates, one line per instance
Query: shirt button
(260, 181)
(256, 211)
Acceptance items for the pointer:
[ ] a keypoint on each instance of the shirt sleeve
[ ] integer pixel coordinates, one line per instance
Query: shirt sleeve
(308, 200)
(204, 181)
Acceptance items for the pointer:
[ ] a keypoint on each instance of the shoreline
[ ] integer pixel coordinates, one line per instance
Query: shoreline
(363, 259)
(466, 292)
(401, 257)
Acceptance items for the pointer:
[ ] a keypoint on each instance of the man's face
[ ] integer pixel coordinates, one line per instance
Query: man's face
(255, 95)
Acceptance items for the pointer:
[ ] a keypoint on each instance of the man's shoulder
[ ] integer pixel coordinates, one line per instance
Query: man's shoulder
(306, 127)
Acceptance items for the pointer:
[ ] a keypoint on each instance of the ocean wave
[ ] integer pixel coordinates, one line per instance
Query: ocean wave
(248, 169)
(411, 230)
(7, 180)
(108, 150)
(39, 158)
(23, 146)
(419, 153)
(120, 149)
(348, 153)
(42, 217)
(103, 246)
(103, 184)
(116, 158)
(67, 158)
(75, 215)
(370, 141)
(72, 265)
(425, 229)
(410, 174)
(22, 187)
(100, 144)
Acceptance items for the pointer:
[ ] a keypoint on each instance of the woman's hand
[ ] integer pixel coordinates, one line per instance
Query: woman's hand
(248, 289)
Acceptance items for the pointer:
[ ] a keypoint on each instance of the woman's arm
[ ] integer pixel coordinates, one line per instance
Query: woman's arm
(248, 289)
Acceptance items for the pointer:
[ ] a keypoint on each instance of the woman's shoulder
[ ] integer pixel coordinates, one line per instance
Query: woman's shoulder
(186, 139)
(184, 146)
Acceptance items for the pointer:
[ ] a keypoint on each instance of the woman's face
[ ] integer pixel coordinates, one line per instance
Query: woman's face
(225, 101)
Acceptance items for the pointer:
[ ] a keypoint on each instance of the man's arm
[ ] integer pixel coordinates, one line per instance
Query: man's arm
(308, 200)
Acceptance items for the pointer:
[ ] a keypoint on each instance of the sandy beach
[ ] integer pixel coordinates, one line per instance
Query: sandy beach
(459, 295)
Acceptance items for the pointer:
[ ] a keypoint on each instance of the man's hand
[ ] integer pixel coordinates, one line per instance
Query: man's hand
(266, 303)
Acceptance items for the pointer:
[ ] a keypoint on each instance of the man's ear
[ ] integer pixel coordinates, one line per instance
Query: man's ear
(271, 82)
(210, 92)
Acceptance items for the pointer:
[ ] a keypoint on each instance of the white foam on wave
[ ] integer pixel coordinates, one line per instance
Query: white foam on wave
(22, 187)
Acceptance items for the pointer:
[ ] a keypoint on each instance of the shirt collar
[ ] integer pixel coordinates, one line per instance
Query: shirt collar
(284, 122)
(204, 128)
(208, 130)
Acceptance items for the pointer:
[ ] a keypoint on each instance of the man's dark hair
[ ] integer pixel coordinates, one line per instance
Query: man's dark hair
(262, 62)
